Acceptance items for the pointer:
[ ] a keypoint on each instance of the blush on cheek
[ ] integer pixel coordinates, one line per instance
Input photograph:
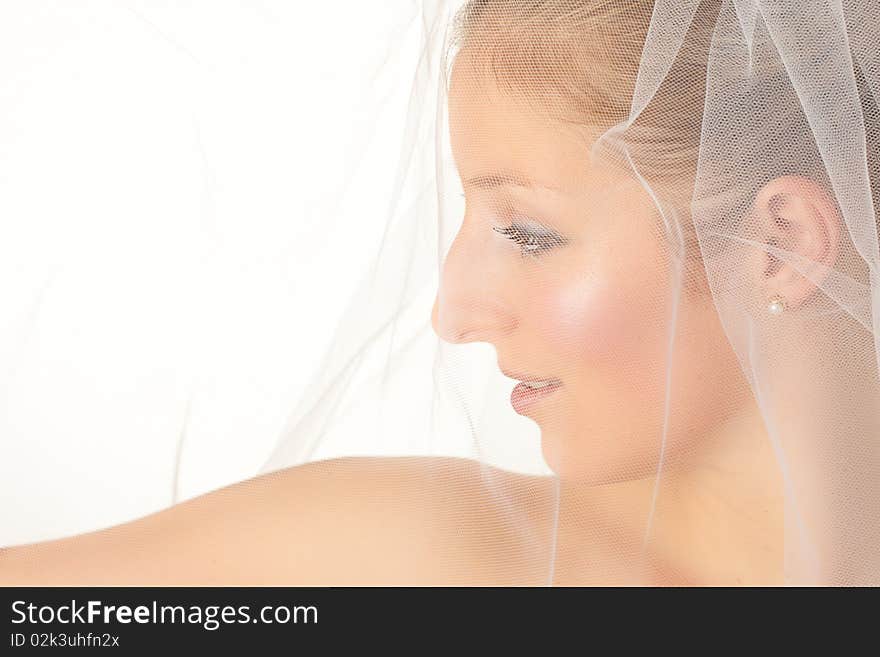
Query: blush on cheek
(589, 320)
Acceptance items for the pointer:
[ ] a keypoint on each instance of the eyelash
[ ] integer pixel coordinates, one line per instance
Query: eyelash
(531, 244)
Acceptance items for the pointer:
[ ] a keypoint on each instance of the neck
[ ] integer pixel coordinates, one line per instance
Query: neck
(718, 521)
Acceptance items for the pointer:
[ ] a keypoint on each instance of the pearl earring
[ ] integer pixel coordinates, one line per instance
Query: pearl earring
(776, 306)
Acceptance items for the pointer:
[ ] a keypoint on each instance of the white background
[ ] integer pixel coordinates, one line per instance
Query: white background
(158, 207)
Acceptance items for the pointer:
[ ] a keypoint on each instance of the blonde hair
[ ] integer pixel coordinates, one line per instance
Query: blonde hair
(578, 60)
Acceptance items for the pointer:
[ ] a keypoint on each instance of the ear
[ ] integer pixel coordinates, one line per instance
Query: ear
(796, 215)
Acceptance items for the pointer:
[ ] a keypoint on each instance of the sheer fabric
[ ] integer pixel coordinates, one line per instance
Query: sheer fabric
(616, 285)
(670, 214)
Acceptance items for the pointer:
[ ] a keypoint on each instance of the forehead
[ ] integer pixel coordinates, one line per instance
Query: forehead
(501, 129)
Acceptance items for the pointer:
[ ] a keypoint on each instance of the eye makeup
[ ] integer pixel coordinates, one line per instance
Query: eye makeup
(533, 241)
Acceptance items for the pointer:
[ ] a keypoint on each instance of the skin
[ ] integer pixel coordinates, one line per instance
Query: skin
(303, 526)
(593, 312)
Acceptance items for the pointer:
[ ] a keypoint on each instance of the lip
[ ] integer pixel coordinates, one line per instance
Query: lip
(522, 398)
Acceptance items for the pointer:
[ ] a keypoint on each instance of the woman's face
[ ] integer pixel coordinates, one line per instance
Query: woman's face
(561, 265)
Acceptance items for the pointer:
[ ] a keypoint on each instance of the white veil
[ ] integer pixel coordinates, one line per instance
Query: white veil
(669, 216)
(734, 97)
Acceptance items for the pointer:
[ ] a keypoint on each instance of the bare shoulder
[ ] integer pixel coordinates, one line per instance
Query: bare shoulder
(377, 520)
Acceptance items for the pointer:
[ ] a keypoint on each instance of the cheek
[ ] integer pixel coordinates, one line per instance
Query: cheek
(603, 316)
(607, 299)
(585, 318)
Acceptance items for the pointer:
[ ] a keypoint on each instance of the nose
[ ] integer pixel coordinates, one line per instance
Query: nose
(469, 306)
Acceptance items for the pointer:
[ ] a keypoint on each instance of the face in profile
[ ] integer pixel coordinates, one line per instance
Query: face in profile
(561, 264)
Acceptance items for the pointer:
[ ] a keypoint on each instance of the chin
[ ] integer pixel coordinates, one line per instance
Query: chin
(588, 465)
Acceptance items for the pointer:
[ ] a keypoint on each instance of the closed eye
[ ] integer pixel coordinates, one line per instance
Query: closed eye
(531, 242)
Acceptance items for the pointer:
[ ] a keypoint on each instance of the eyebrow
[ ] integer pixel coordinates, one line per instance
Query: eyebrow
(503, 180)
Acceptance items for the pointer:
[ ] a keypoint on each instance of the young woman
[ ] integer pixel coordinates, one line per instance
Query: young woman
(670, 240)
